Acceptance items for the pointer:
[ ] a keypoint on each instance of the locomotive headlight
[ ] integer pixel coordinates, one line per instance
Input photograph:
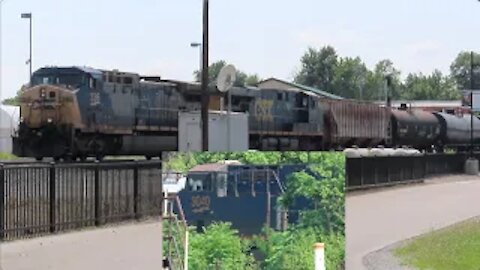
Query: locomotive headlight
(42, 93)
(49, 120)
(21, 119)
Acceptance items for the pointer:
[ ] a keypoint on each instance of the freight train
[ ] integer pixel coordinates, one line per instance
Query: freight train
(76, 112)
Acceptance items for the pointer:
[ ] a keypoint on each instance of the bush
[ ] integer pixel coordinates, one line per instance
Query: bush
(219, 246)
(293, 250)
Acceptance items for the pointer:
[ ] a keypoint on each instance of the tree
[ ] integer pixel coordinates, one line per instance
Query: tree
(435, 86)
(241, 79)
(349, 78)
(460, 70)
(14, 101)
(318, 69)
(324, 185)
(252, 80)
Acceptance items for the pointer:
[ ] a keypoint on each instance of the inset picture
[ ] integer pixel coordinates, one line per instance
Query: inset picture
(255, 210)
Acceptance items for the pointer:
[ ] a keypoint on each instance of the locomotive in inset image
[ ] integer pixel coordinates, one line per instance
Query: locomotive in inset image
(77, 112)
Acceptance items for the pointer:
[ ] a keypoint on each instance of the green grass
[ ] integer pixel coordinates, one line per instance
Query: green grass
(7, 156)
(453, 248)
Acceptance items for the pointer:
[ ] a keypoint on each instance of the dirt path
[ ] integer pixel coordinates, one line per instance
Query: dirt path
(126, 247)
(379, 218)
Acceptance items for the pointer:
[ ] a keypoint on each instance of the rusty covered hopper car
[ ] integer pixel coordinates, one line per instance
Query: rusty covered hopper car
(350, 123)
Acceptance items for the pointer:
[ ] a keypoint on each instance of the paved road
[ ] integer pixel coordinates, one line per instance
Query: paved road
(127, 247)
(377, 219)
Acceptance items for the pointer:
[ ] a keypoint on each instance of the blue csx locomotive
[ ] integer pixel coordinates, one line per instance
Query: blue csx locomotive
(76, 112)
(244, 195)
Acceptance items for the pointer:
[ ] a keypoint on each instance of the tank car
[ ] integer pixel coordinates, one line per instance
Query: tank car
(415, 128)
(456, 130)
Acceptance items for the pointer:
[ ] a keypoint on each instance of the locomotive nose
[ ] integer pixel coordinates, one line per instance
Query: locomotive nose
(42, 104)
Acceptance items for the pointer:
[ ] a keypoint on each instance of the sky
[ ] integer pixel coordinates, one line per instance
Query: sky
(267, 37)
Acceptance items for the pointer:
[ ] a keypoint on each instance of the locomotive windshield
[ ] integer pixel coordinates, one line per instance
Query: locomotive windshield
(72, 81)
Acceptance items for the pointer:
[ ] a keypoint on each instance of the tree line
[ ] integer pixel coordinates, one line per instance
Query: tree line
(349, 77)
(220, 246)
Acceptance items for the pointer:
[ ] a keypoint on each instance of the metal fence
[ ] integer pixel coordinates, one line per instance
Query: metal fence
(43, 198)
(368, 172)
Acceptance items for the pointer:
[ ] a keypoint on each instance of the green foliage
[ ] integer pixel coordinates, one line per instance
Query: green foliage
(434, 86)
(252, 80)
(14, 101)
(182, 162)
(242, 78)
(219, 246)
(325, 186)
(460, 70)
(350, 78)
(318, 68)
(11, 101)
(7, 156)
(327, 194)
(293, 250)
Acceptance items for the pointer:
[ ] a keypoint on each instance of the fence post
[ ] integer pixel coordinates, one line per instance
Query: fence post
(362, 180)
(52, 197)
(389, 164)
(97, 193)
(319, 249)
(136, 199)
(185, 258)
(2, 203)
(425, 166)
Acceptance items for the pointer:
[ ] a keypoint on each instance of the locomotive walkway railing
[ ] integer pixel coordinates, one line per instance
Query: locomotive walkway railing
(368, 172)
(44, 198)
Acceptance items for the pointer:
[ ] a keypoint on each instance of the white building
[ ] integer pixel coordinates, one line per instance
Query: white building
(9, 119)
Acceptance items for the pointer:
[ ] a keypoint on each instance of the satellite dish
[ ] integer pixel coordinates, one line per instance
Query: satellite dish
(226, 78)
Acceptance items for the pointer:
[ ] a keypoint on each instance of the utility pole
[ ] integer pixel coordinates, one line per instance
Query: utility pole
(1, 41)
(471, 164)
(29, 17)
(205, 94)
(472, 86)
(388, 83)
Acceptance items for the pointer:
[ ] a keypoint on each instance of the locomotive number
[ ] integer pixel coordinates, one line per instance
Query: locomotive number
(200, 204)
(263, 109)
